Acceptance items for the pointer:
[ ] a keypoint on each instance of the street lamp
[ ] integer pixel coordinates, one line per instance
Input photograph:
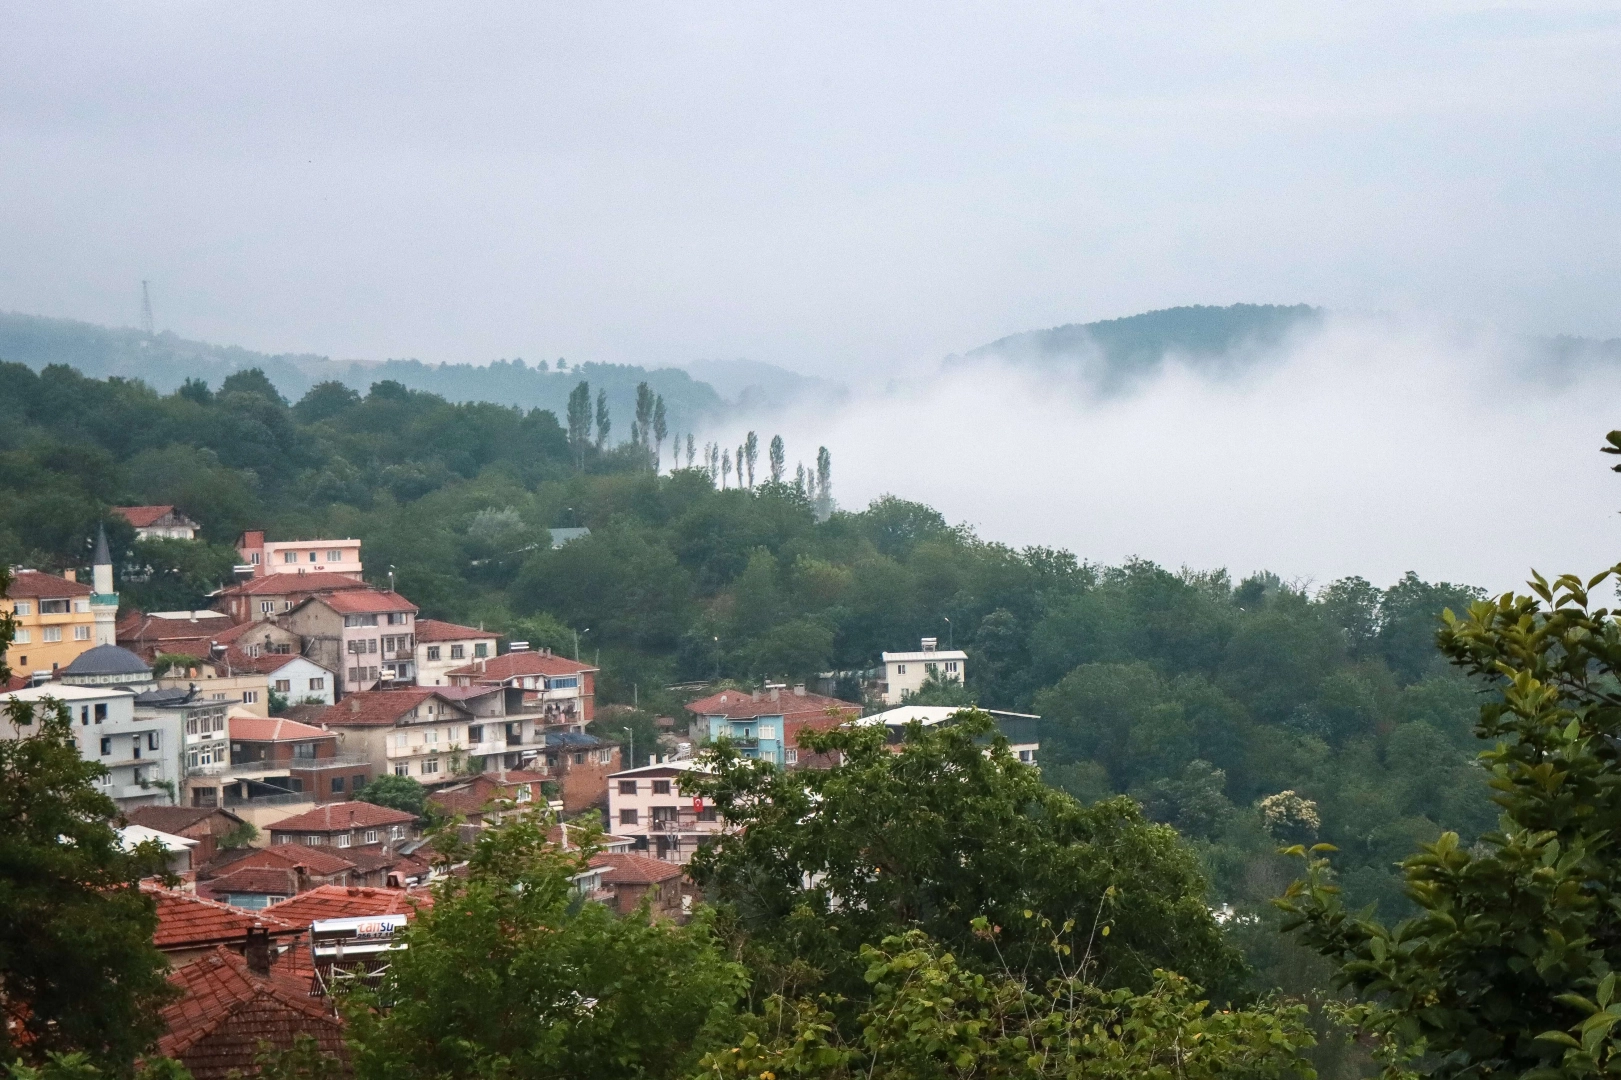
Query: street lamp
(951, 633)
(577, 642)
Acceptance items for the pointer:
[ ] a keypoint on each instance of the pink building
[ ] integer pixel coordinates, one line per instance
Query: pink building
(368, 636)
(298, 556)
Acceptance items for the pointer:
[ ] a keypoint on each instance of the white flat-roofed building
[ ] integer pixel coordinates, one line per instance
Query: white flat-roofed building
(1018, 728)
(905, 672)
(142, 754)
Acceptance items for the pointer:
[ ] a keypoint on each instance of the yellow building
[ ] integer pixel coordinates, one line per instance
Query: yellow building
(55, 622)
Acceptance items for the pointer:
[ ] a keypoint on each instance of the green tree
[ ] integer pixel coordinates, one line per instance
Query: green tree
(396, 793)
(661, 430)
(509, 974)
(579, 421)
(777, 457)
(78, 972)
(1509, 967)
(604, 421)
(935, 832)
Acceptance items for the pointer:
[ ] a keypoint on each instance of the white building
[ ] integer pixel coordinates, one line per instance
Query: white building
(300, 680)
(177, 849)
(648, 806)
(141, 754)
(904, 672)
(443, 646)
(1018, 728)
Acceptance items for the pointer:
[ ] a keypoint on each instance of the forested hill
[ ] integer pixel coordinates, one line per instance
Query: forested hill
(165, 361)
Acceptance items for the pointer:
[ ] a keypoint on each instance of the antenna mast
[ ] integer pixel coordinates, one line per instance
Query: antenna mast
(146, 309)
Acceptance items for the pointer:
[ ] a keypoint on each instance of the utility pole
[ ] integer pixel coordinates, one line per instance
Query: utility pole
(951, 633)
(146, 310)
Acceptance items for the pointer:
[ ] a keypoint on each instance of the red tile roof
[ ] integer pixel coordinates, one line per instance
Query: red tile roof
(319, 861)
(175, 819)
(478, 793)
(225, 1011)
(264, 880)
(31, 584)
(285, 584)
(187, 922)
(338, 902)
(359, 601)
(630, 869)
(264, 663)
(341, 817)
(376, 708)
(142, 516)
(429, 630)
(258, 729)
(742, 705)
(513, 665)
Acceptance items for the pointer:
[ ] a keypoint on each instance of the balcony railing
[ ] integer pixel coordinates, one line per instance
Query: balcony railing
(275, 768)
(682, 825)
(292, 798)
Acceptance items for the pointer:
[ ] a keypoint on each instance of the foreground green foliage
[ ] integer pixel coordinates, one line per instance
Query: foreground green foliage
(1510, 965)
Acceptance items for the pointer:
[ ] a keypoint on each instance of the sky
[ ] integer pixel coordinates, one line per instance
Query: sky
(857, 190)
(842, 189)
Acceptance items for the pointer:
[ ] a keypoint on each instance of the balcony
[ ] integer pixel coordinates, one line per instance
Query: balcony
(291, 798)
(686, 823)
(281, 768)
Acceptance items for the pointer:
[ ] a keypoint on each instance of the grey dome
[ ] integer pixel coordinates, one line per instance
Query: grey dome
(107, 660)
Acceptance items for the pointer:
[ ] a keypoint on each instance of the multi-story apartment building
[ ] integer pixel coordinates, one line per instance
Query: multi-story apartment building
(158, 522)
(905, 672)
(443, 647)
(267, 557)
(367, 636)
(648, 806)
(563, 691)
(141, 753)
(267, 758)
(766, 724)
(54, 623)
(260, 598)
(346, 825)
(417, 732)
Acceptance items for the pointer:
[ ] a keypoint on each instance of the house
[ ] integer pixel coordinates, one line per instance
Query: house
(580, 764)
(367, 636)
(266, 757)
(208, 825)
(631, 877)
(296, 680)
(765, 724)
(245, 690)
(231, 1005)
(420, 732)
(345, 825)
(54, 623)
(564, 690)
(142, 753)
(253, 888)
(173, 633)
(176, 849)
(158, 522)
(337, 902)
(268, 558)
(257, 877)
(444, 646)
(1020, 729)
(190, 927)
(260, 598)
(905, 672)
(481, 801)
(647, 805)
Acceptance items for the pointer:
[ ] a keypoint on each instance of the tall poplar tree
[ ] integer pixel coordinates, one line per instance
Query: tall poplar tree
(751, 452)
(779, 459)
(579, 421)
(604, 422)
(660, 431)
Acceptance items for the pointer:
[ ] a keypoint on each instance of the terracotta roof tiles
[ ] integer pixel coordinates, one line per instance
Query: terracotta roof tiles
(361, 601)
(374, 708)
(261, 880)
(286, 584)
(342, 816)
(513, 665)
(33, 585)
(142, 516)
(320, 861)
(338, 902)
(742, 705)
(631, 869)
(260, 729)
(430, 630)
(186, 921)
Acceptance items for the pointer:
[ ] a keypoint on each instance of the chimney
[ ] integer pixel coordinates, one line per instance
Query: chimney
(354, 705)
(799, 690)
(70, 575)
(930, 643)
(257, 950)
(301, 880)
(755, 696)
(774, 693)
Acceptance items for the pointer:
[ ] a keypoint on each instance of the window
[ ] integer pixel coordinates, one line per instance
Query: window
(287, 605)
(566, 683)
(605, 757)
(254, 558)
(661, 787)
(101, 712)
(793, 757)
(24, 637)
(81, 606)
(334, 556)
(709, 813)
(106, 745)
(931, 668)
(396, 832)
(951, 665)
(250, 697)
(151, 740)
(356, 783)
(191, 726)
(191, 761)
(53, 607)
(397, 618)
(579, 757)
(342, 838)
(768, 731)
(900, 669)
(430, 766)
(371, 645)
(431, 736)
(481, 648)
(402, 769)
(1027, 756)
(360, 620)
(84, 716)
(304, 750)
(627, 787)
(289, 556)
(23, 607)
(314, 840)
(312, 557)
(284, 686)
(52, 633)
(371, 836)
(81, 633)
(318, 684)
(458, 652)
(433, 652)
(627, 817)
(266, 607)
(219, 721)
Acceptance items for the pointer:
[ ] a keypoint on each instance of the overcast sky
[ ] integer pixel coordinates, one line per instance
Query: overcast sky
(842, 189)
